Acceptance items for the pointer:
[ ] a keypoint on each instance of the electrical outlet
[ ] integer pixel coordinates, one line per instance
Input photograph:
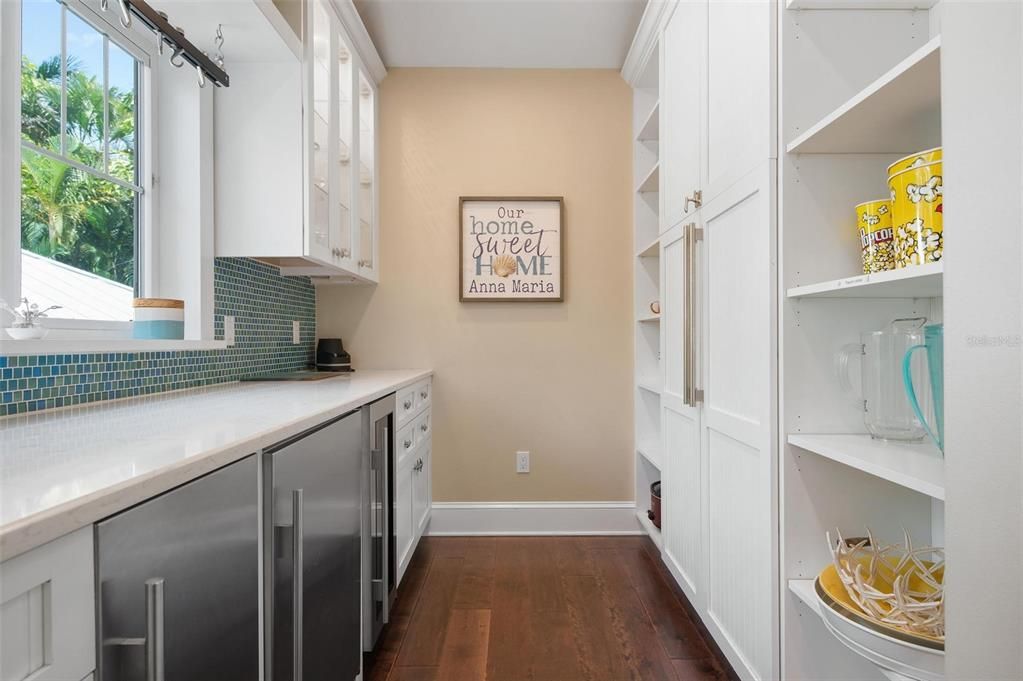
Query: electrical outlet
(521, 462)
(296, 332)
(229, 330)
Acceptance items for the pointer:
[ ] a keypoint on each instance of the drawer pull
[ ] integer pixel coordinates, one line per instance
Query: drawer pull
(408, 404)
(408, 443)
(423, 427)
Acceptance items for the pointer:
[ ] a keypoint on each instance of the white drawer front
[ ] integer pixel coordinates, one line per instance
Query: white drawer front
(424, 391)
(404, 443)
(405, 404)
(423, 427)
(46, 611)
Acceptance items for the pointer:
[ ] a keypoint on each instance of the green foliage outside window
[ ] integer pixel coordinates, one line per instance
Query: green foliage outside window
(68, 214)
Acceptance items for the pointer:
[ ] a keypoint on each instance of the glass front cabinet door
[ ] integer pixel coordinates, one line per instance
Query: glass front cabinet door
(342, 243)
(318, 115)
(367, 178)
(340, 112)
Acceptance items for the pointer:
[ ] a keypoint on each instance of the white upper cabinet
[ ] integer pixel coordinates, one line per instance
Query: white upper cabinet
(681, 132)
(295, 140)
(738, 91)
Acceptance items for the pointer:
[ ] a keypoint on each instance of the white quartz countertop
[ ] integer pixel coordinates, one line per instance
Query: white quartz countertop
(67, 468)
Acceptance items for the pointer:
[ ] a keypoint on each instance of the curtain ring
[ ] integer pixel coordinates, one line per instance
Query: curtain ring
(175, 59)
(125, 14)
(202, 76)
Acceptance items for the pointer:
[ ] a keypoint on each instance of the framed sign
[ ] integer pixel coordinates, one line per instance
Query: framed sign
(510, 249)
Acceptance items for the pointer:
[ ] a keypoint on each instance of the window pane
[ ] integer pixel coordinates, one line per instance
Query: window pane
(40, 73)
(72, 217)
(84, 92)
(121, 100)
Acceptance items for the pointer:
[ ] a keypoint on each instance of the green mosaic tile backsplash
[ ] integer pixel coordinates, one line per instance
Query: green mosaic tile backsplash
(263, 304)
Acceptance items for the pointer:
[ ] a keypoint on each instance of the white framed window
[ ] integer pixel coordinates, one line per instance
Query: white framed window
(87, 215)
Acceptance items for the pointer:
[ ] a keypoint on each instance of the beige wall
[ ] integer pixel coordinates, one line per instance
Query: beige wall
(551, 378)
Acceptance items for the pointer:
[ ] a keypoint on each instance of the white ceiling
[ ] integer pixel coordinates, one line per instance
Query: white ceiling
(502, 33)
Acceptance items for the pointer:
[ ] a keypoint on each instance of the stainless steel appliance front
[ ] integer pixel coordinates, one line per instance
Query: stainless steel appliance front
(378, 527)
(312, 529)
(177, 583)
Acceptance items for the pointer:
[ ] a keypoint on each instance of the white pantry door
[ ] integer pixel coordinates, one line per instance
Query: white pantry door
(682, 57)
(680, 489)
(738, 466)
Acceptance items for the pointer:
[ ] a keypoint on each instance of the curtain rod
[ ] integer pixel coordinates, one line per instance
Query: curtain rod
(183, 47)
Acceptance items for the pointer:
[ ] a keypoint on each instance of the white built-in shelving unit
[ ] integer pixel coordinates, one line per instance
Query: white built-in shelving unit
(647, 271)
(846, 115)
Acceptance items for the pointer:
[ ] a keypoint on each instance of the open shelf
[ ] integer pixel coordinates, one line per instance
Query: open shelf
(649, 528)
(919, 467)
(649, 319)
(650, 385)
(651, 128)
(860, 4)
(900, 112)
(651, 451)
(651, 182)
(919, 281)
(651, 250)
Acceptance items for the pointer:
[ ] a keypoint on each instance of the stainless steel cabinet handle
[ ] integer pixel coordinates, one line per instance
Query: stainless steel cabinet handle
(692, 395)
(154, 630)
(297, 587)
(408, 404)
(152, 643)
(696, 199)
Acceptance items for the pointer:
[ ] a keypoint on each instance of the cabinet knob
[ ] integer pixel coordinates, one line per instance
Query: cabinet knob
(424, 394)
(696, 199)
(345, 253)
(408, 404)
(423, 427)
(408, 443)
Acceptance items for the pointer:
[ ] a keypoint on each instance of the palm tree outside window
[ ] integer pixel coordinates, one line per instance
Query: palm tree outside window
(80, 168)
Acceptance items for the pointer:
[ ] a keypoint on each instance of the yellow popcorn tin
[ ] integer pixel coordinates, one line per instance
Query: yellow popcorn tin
(913, 160)
(874, 221)
(917, 208)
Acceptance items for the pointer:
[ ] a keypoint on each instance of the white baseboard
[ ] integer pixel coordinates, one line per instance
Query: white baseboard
(533, 518)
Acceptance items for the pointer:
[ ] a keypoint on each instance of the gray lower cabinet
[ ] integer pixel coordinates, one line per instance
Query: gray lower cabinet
(178, 583)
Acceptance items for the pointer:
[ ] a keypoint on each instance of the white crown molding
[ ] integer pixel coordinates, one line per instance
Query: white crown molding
(655, 16)
(533, 518)
(360, 36)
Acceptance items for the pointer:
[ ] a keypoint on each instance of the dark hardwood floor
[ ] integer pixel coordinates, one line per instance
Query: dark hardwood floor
(540, 609)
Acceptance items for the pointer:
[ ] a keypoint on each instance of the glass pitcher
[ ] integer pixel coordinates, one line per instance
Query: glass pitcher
(887, 412)
(934, 345)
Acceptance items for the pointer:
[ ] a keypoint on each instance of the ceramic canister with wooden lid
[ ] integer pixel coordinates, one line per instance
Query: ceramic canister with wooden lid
(159, 318)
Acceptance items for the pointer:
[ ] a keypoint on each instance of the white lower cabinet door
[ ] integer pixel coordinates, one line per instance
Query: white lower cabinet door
(680, 424)
(404, 529)
(682, 515)
(47, 620)
(738, 433)
(421, 490)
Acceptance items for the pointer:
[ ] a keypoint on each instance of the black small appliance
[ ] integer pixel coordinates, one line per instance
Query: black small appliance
(331, 356)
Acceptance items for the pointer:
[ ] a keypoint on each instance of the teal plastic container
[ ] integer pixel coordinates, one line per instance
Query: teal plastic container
(934, 345)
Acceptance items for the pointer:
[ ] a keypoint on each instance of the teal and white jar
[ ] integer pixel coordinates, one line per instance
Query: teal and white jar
(159, 318)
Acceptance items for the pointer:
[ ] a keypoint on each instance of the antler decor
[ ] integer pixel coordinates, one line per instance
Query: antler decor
(901, 586)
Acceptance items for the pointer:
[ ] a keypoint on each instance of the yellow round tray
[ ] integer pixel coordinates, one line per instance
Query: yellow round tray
(832, 593)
